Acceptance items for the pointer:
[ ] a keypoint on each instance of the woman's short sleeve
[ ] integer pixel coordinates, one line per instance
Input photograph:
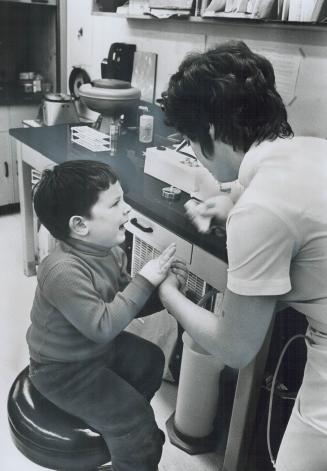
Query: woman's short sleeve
(260, 248)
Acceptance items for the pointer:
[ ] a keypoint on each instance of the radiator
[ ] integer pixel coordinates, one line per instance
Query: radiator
(142, 252)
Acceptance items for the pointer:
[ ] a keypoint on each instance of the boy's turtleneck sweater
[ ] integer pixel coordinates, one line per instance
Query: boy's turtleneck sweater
(84, 299)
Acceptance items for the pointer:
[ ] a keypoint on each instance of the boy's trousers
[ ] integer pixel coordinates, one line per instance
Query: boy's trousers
(111, 393)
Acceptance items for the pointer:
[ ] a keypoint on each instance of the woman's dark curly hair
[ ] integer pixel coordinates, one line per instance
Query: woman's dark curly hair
(231, 88)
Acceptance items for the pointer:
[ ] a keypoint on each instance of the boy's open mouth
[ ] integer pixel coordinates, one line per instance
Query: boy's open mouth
(122, 226)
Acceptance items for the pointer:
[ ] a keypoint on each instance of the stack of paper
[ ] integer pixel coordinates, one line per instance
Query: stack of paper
(169, 8)
(251, 9)
(285, 10)
(302, 10)
(91, 139)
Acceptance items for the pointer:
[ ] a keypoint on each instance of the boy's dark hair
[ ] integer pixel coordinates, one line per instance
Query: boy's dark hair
(69, 189)
(231, 88)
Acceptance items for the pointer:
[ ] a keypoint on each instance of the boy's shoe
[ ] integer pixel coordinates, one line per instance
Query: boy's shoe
(108, 466)
(105, 467)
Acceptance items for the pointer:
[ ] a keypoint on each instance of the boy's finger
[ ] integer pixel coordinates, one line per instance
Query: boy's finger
(163, 258)
(179, 268)
(165, 267)
(168, 251)
(179, 264)
(182, 273)
(165, 264)
(181, 280)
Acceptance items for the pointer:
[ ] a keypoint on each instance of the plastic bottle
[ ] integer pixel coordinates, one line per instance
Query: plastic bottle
(145, 126)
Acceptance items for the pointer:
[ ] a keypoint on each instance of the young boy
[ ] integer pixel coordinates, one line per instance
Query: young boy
(81, 359)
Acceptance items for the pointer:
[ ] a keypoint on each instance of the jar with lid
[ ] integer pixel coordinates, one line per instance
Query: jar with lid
(145, 126)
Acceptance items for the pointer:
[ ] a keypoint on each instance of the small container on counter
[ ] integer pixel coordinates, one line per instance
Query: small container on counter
(26, 75)
(27, 86)
(46, 87)
(145, 126)
(37, 83)
(114, 134)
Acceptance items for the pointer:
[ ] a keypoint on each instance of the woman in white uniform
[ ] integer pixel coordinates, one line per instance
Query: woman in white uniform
(225, 102)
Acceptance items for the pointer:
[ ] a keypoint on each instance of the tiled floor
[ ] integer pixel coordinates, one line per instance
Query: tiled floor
(16, 295)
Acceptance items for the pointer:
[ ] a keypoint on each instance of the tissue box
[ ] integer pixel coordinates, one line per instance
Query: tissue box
(180, 171)
(172, 167)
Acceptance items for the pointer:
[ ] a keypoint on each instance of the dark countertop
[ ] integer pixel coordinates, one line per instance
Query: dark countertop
(142, 191)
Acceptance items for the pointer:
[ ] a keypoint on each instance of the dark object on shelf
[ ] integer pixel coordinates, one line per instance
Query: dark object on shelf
(49, 436)
(9, 209)
(77, 77)
(119, 64)
(109, 5)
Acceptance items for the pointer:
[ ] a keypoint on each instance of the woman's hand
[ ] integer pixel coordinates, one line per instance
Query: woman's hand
(156, 270)
(168, 287)
(201, 214)
(179, 269)
(217, 207)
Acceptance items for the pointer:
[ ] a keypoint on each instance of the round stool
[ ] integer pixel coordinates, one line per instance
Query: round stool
(49, 436)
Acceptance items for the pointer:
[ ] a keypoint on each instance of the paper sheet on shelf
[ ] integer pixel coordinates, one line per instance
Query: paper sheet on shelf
(286, 63)
(286, 66)
(164, 13)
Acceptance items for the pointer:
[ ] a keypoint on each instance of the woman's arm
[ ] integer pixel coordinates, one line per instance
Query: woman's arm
(235, 334)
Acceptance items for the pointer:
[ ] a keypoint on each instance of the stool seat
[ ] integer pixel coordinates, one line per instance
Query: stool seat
(49, 436)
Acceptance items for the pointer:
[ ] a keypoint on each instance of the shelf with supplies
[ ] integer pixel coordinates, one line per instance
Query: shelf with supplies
(278, 14)
(217, 20)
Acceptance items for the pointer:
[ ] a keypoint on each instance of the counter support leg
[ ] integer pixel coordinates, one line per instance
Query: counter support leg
(244, 410)
(26, 209)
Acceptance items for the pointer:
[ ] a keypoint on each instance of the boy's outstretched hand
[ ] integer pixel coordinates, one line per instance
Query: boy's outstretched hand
(157, 269)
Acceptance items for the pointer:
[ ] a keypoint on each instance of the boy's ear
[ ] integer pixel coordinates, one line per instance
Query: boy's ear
(78, 226)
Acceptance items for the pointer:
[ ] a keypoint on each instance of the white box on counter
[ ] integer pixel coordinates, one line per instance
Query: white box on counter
(178, 170)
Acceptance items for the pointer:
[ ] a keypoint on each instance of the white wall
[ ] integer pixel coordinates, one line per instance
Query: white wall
(171, 40)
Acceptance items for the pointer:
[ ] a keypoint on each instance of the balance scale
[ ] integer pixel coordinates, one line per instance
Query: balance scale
(111, 98)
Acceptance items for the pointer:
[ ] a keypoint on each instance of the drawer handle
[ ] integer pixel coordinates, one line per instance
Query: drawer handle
(139, 226)
(6, 170)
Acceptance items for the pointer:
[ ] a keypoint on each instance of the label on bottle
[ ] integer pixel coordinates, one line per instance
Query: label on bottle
(146, 129)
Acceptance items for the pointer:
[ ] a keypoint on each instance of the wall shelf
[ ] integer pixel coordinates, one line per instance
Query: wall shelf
(221, 20)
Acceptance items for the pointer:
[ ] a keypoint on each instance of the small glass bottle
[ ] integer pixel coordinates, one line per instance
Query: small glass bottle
(113, 133)
(145, 126)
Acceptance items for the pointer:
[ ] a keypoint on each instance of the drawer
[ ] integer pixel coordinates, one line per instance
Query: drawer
(210, 268)
(4, 118)
(157, 236)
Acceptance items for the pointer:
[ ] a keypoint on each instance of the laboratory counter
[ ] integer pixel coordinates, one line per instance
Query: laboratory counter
(142, 191)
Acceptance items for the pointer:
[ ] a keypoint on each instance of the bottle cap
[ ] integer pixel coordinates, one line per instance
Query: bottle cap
(171, 193)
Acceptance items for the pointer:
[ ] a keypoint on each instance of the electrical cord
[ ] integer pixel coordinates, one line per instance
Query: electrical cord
(273, 385)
